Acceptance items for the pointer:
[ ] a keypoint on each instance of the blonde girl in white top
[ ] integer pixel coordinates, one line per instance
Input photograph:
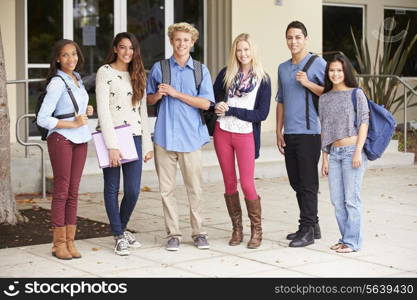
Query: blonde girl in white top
(247, 89)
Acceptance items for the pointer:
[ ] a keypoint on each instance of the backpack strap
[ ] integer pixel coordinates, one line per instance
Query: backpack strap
(355, 103)
(198, 78)
(314, 96)
(74, 102)
(198, 74)
(166, 78)
(166, 71)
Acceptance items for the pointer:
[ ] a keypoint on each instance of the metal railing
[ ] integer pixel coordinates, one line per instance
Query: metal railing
(406, 86)
(26, 144)
(26, 103)
(24, 141)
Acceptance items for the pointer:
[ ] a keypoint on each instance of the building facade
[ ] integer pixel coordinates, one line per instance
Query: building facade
(30, 27)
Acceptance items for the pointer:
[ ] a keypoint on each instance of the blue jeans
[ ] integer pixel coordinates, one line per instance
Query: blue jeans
(132, 172)
(345, 186)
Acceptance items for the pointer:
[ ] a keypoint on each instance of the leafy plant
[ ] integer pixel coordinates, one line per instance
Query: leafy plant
(390, 61)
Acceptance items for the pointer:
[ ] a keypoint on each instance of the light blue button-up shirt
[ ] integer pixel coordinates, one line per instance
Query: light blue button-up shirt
(58, 102)
(179, 126)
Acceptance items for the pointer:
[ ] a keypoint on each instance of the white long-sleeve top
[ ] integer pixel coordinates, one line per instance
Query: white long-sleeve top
(114, 107)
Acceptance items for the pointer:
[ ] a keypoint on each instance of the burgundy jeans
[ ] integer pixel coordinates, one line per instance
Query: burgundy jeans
(242, 145)
(67, 160)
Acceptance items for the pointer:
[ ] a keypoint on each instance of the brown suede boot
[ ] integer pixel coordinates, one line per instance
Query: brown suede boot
(235, 213)
(254, 213)
(71, 230)
(59, 249)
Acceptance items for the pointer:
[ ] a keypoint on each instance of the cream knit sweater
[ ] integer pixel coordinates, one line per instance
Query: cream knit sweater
(114, 107)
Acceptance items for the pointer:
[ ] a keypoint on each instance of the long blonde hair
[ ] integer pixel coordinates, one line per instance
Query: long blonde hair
(233, 64)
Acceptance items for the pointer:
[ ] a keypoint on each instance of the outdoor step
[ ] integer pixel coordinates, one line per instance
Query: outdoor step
(26, 172)
(270, 164)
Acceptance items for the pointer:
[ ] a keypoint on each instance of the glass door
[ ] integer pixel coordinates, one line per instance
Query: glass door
(93, 24)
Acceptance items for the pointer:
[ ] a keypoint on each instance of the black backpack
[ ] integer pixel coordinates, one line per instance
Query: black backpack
(43, 131)
(315, 98)
(206, 115)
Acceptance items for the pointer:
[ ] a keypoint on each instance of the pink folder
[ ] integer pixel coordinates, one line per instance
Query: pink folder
(127, 146)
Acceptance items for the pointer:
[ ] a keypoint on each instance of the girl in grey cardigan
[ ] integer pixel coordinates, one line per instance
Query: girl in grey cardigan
(342, 146)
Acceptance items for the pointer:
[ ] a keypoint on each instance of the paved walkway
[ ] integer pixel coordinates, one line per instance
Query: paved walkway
(390, 238)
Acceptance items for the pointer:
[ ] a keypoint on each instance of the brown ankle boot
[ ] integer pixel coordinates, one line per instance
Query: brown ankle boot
(59, 249)
(235, 213)
(254, 213)
(71, 230)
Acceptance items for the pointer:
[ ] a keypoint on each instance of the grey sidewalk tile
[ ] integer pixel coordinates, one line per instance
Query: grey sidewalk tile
(154, 271)
(42, 267)
(15, 256)
(104, 262)
(277, 273)
(390, 259)
(222, 246)
(290, 257)
(346, 267)
(187, 252)
(405, 275)
(224, 266)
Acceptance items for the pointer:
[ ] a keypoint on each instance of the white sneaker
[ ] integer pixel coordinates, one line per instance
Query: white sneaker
(130, 238)
(121, 247)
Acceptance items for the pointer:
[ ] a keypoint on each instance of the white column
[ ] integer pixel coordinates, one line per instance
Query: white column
(120, 16)
(68, 19)
(169, 20)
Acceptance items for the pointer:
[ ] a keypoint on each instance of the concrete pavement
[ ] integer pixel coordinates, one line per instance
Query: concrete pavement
(390, 237)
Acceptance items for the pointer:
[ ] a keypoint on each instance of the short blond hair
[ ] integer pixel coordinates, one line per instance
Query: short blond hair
(184, 27)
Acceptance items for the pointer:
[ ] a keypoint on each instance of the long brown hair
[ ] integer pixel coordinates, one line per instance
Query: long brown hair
(56, 51)
(350, 79)
(135, 67)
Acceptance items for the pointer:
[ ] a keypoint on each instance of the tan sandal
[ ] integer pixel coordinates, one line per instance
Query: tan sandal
(344, 249)
(336, 246)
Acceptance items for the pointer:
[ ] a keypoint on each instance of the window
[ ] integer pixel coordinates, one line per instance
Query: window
(401, 17)
(146, 20)
(93, 32)
(45, 27)
(192, 12)
(337, 23)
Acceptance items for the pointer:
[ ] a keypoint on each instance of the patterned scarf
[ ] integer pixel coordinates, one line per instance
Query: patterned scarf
(241, 87)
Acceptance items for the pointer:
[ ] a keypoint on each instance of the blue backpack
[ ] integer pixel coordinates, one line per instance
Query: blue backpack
(381, 128)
